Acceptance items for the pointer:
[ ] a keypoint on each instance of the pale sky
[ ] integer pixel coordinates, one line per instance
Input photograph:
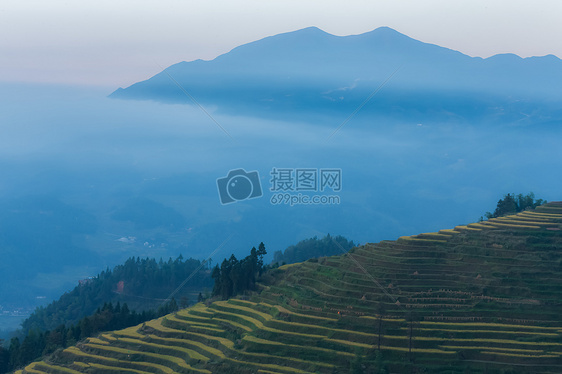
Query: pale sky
(115, 43)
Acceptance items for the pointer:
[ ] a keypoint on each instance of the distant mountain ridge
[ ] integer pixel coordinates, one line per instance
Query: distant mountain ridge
(310, 70)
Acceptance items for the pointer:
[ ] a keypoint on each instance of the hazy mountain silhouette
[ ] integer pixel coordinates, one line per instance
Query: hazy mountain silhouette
(312, 71)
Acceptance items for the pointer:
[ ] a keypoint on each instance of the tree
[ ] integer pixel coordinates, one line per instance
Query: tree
(85, 328)
(511, 204)
(225, 280)
(528, 201)
(184, 302)
(71, 336)
(173, 306)
(216, 275)
(54, 340)
(15, 353)
(236, 276)
(505, 206)
(261, 252)
(4, 358)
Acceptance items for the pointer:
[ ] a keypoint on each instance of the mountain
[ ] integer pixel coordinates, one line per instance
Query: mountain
(312, 248)
(143, 284)
(311, 71)
(479, 298)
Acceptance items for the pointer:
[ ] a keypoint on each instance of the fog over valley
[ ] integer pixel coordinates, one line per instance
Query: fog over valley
(89, 181)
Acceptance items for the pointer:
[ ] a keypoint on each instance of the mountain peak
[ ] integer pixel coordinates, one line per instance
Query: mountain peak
(386, 30)
(383, 32)
(311, 30)
(274, 73)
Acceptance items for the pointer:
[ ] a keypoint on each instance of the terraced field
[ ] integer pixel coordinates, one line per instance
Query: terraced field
(486, 297)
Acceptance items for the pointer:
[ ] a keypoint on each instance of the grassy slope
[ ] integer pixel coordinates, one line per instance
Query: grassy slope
(486, 296)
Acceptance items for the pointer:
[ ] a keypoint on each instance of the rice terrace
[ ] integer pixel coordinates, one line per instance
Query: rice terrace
(480, 298)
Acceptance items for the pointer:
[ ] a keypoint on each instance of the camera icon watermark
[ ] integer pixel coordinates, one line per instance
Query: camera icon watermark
(239, 185)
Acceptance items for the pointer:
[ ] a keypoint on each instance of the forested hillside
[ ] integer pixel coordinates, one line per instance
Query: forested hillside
(313, 248)
(137, 291)
(141, 283)
(39, 343)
